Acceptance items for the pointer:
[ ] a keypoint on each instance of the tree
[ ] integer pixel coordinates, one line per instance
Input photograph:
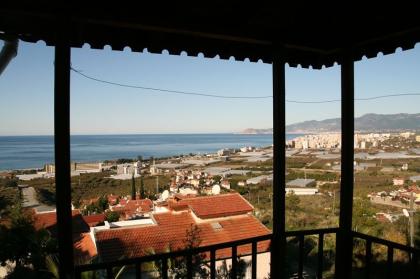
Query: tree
(217, 178)
(103, 203)
(12, 182)
(124, 160)
(142, 196)
(97, 207)
(363, 218)
(179, 266)
(225, 272)
(23, 245)
(292, 202)
(112, 216)
(133, 188)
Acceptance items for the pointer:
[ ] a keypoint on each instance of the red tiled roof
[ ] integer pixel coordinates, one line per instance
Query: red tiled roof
(171, 230)
(214, 206)
(90, 201)
(48, 221)
(144, 205)
(6, 174)
(84, 248)
(94, 220)
(112, 199)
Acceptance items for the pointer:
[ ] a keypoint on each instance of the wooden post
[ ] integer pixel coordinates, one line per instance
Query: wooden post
(278, 245)
(344, 236)
(62, 154)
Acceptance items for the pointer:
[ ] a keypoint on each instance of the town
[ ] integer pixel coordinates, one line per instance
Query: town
(227, 192)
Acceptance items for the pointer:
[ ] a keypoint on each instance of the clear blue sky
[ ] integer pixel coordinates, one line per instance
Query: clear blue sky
(26, 92)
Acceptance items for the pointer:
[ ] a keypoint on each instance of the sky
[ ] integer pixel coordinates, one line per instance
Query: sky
(26, 92)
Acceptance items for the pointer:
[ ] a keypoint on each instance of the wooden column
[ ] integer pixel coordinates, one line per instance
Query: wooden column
(62, 154)
(344, 236)
(278, 245)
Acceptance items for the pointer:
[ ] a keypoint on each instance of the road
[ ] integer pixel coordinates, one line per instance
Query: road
(389, 202)
(29, 197)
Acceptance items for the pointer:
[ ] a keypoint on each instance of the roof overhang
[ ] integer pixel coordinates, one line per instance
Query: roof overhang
(307, 37)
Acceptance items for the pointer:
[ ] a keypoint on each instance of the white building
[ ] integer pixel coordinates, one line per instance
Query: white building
(301, 186)
(301, 191)
(134, 168)
(398, 181)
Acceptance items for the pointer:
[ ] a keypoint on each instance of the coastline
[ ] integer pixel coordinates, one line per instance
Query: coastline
(32, 152)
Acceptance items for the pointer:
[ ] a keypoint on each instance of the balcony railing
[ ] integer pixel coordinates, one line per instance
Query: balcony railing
(298, 235)
(413, 255)
(164, 257)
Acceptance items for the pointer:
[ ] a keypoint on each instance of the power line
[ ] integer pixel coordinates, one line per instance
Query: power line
(356, 99)
(233, 97)
(169, 90)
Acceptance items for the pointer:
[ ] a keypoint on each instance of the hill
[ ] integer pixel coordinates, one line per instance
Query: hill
(370, 122)
(367, 123)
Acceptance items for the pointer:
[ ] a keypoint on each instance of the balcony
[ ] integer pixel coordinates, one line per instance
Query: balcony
(302, 38)
(390, 268)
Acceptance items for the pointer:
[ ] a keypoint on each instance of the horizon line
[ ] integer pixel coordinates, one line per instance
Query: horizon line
(121, 134)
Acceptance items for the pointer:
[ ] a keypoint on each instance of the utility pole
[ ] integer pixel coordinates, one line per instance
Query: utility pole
(411, 212)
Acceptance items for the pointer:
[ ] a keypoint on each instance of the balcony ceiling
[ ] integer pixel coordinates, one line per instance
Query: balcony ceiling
(310, 37)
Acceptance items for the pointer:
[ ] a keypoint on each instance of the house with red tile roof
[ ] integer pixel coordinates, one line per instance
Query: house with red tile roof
(207, 207)
(113, 199)
(217, 219)
(132, 209)
(168, 232)
(94, 220)
(84, 247)
(48, 221)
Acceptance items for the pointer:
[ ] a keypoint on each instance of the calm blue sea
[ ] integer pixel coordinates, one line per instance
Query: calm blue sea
(17, 152)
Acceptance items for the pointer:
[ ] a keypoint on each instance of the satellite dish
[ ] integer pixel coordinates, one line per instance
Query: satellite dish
(165, 195)
(405, 212)
(215, 190)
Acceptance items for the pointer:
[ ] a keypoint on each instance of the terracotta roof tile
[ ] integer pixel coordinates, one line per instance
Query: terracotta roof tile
(171, 230)
(214, 206)
(48, 221)
(94, 220)
(84, 248)
(131, 207)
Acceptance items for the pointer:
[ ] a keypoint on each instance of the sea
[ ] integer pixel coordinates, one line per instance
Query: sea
(26, 152)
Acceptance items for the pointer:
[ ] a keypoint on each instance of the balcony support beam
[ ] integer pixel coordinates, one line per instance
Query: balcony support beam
(62, 153)
(344, 236)
(278, 243)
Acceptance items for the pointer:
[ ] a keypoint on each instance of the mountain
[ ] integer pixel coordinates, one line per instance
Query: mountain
(367, 123)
